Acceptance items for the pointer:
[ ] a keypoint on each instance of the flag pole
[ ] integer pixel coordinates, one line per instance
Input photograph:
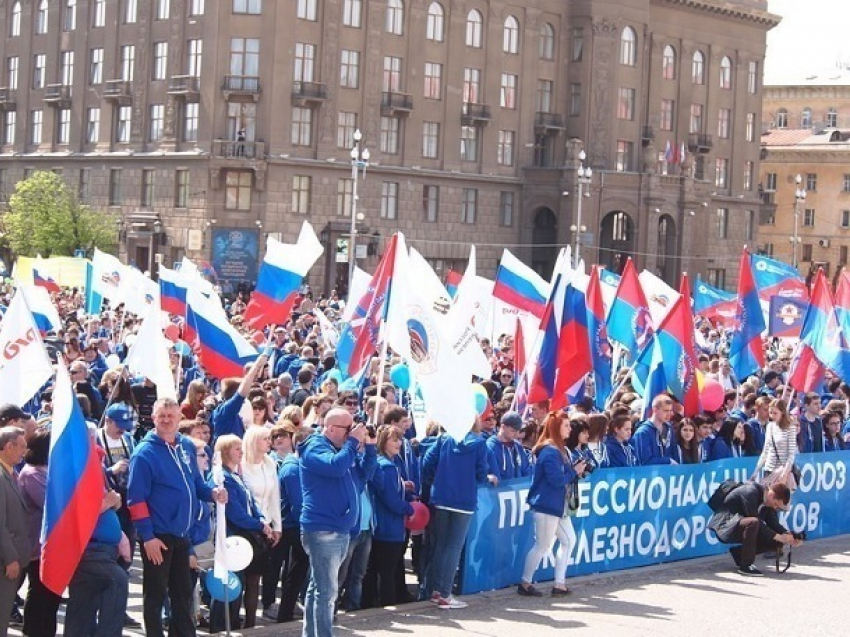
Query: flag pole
(380, 380)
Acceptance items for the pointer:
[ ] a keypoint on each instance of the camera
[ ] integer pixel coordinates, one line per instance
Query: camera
(799, 536)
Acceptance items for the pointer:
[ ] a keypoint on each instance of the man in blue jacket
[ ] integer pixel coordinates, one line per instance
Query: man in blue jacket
(329, 511)
(164, 487)
(506, 457)
(226, 418)
(654, 438)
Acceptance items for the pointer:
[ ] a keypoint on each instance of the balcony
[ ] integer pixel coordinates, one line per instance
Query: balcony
(186, 86)
(117, 91)
(57, 95)
(241, 86)
(228, 149)
(309, 93)
(699, 143)
(647, 136)
(7, 99)
(548, 122)
(396, 104)
(472, 114)
(767, 209)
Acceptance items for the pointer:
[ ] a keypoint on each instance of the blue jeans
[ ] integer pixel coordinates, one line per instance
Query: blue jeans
(353, 570)
(327, 550)
(97, 594)
(449, 534)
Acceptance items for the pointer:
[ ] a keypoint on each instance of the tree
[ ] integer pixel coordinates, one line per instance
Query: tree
(46, 217)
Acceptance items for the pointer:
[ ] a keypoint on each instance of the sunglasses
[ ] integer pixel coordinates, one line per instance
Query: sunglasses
(350, 403)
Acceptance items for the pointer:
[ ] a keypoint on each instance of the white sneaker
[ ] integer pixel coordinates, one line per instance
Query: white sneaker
(450, 602)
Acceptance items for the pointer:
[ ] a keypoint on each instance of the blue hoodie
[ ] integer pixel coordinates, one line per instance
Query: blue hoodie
(552, 474)
(619, 454)
(225, 418)
(289, 476)
(241, 510)
(329, 487)
(164, 487)
(648, 446)
(388, 501)
(719, 450)
(454, 470)
(507, 461)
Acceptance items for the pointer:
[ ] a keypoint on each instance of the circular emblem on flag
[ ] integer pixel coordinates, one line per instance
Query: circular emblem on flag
(603, 347)
(662, 299)
(685, 371)
(761, 265)
(423, 341)
(703, 289)
(789, 313)
(641, 325)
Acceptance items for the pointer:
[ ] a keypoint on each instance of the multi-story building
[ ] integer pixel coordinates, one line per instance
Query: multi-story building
(194, 119)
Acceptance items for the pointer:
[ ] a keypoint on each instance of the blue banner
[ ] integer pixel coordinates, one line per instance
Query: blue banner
(235, 254)
(786, 316)
(641, 516)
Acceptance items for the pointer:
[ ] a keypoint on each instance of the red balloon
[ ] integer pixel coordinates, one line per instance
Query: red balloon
(419, 519)
(711, 395)
(172, 333)
(258, 338)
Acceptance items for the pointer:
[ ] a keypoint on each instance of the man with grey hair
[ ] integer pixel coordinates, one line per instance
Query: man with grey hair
(281, 394)
(15, 546)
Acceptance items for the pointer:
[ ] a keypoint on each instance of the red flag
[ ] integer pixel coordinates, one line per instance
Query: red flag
(686, 377)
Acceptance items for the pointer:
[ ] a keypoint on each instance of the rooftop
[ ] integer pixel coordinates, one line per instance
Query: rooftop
(828, 137)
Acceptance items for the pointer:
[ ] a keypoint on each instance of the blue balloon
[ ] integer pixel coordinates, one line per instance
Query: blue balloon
(480, 403)
(182, 348)
(349, 384)
(400, 376)
(216, 587)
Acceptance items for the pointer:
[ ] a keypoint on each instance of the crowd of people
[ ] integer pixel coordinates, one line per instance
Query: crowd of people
(321, 475)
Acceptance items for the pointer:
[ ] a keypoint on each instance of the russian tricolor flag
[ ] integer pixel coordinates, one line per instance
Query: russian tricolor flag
(74, 492)
(44, 313)
(173, 285)
(453, 279)
(283, 268)
(520, 286)
(44, 280)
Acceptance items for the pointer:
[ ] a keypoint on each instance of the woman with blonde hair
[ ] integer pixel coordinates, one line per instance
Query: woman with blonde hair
(194, 402)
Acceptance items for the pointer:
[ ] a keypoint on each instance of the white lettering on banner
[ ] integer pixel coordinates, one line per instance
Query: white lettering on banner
(801, 517)
(823, 476)
(515, 501)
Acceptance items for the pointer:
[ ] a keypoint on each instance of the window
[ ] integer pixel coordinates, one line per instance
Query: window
(845, 218)
(469, 205)
(389, 200)
(301, 194)
(41, 18)
(191, 112)
(749, 225)
(163, 9)
(474, 28)
(546, 42)
(431, 203)
(717, 277)
(698, 68)
(626, 103)
(770, 182)
(85, 180)
(721, 172)
(507, 97)
(392, 74)
(66, 67)
(96, 67)
(724, 123)
(194, 53)
(433, 81)
(388, 142)
(505, 148)
(36, 123)
(15, 20)
(12, 64)
(115, 187)
(146, 199)
(70, 18)
(809, 217)
(471, 85)
(695, 125)
(506, 208)
(10, 122)
(131, 11)
(668, 63)
(807, 252)
(812, 182)
(237, 195)
(510, 35)
(665, 121)
(806, 119)
(93, 125)
(753, 77)
(160, 60)
(196, 7)
(305, 58)
(577, 48)
(842, 254)
(846, 183)
(181, 188)
(575, 98)
(245, 57)
(782, 118)
(346, 124)
(307, 10)
(749, 169)
(435, 22)
(431, 139)
(750, 132)
(469, 143)
(344, 196)
(122, 129)
(832, 117)
(628, 47)
(39, 64)
(722, 223)
(545, 90)
(349, 69)
(99, 13)
(395, 17)
(625, 151)
(302, 127)
(248, 6)
(157, 122)
(726, 73)
(128, 62)
(351, 12)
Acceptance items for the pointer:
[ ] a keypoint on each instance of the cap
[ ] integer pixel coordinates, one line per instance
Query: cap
(512, 419)
(12, 412)
(122, 415)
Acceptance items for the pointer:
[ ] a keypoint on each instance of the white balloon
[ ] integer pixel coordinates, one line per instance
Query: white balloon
(112, 361)
(238, 553)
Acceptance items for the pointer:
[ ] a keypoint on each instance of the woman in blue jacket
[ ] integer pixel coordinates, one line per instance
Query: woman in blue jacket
(730, 441)
(552, 506)
(619, 450)
(390, 507)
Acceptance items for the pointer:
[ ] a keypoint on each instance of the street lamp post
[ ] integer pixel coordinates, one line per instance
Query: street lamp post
(584, 175)
(799, 200)
(359, 161)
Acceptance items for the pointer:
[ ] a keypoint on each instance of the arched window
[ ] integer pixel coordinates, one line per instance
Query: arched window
(725, 72)
(782, 118)
(41, 18)
(832, 117)
(668, 63)
(15, 22)
(698, 68)
(621, 227)
(474, 28)
(546, 49)
(628, 47)
(806, 119)
(510, 35)
(395, 17)
(434, 25)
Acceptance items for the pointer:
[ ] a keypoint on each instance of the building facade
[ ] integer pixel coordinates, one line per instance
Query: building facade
(190, 120)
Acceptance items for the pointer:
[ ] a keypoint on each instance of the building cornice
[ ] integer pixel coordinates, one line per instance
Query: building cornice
(729, 10)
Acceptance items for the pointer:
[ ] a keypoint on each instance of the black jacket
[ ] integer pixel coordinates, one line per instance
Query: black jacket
(745, 501)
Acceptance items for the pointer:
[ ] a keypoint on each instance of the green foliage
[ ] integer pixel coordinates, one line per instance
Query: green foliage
(46, 217)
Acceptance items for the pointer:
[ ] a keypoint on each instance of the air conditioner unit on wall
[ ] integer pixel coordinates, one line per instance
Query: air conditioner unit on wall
(823, 243)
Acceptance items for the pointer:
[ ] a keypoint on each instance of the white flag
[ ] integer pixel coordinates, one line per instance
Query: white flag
(660, 296)
(149, 354)
(329, 332)
(24, 364)
(465, 316)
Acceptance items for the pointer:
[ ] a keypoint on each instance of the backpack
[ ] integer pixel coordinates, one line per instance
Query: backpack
(719, 496)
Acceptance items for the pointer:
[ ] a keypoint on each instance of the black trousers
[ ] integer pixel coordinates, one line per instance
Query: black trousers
(379, 584)
(40, 606)
(272, 575)
(295, 574)
(172, 578)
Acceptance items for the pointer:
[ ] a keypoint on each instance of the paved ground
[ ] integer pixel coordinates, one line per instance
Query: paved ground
(688, 599)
